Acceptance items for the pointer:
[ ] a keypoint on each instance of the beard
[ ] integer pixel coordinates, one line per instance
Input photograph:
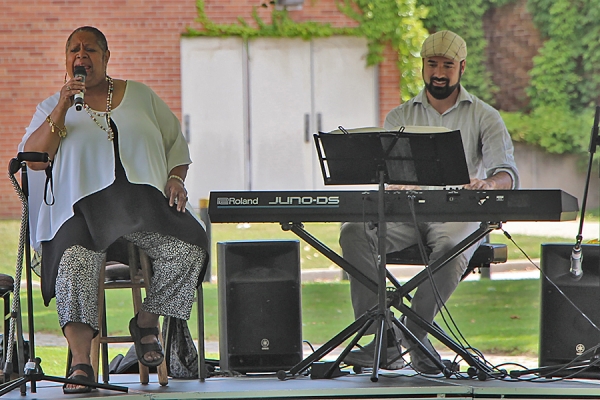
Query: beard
(441, 92)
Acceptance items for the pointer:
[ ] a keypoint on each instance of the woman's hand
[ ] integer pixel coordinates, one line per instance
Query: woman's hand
(69, 90)
(176, 193)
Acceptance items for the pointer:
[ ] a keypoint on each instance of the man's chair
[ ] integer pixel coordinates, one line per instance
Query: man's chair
(485, 255)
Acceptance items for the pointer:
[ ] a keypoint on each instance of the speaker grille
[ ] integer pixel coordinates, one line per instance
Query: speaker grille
(260, 324)
(564, 332)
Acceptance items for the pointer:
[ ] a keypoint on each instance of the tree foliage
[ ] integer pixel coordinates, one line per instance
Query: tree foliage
(566, 72)
(399, 23)
(465, 19)
(565, 79)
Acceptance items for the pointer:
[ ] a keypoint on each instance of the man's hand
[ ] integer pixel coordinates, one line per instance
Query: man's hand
(501, 180)
(479, 184)
(402, 187)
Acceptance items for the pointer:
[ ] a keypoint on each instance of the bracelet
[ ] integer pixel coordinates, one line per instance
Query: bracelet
(62, 132)
(180, 179)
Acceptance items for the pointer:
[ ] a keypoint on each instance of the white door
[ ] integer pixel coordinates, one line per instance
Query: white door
(280, 97)
(213, 104)
(345, 91)
(250, 109)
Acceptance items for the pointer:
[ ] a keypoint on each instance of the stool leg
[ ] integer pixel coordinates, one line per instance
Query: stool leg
(146, 266)
(137, 304)
(95, 352)
(202, 372)
(104, 347)
(163, 376)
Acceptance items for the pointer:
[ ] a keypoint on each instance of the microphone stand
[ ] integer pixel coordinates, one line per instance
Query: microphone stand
(32, 371)
(577, 256)
(576, 271)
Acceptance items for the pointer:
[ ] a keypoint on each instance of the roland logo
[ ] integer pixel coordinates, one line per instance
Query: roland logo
(236, 201)
(306, 201)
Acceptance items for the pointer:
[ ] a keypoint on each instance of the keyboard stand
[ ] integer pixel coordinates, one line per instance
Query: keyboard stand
(394, 299)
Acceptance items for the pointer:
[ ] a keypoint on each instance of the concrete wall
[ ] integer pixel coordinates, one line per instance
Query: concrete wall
(540, 170)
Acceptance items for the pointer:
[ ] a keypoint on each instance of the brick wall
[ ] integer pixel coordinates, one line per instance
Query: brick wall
(513, 41)
(143, 37)
(144, 40)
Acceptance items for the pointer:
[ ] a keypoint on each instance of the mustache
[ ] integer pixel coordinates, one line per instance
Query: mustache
(440, 80)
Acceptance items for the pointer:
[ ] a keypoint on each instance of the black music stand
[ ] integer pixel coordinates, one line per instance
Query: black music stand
(384, 157)
(432, 159)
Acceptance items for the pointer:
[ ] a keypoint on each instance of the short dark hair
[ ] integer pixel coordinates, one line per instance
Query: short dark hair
(100, 38)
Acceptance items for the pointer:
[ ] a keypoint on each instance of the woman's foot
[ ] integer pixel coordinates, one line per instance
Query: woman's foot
(144, 330)
(79, 373)
(79, 336)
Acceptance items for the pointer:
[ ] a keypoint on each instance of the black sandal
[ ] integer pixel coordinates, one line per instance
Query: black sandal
(79, 379)
(137, 333)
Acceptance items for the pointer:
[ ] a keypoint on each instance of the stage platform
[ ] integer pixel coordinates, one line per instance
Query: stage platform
(403, 384)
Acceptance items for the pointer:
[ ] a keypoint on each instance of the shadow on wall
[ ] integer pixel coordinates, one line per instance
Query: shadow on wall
(541, 170)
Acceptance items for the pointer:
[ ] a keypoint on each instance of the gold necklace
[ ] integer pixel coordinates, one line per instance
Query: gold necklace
(93, 113)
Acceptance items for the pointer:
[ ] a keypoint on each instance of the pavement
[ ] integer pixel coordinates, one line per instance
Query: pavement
(512, 269)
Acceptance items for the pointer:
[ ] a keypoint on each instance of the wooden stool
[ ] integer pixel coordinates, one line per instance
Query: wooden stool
(140, 273)
(135, 276)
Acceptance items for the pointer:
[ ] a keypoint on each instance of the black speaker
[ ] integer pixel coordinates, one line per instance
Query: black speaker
(260, 310)
(564, 332)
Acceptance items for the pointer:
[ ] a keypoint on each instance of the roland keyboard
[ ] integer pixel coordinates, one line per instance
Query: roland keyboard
(428, 205)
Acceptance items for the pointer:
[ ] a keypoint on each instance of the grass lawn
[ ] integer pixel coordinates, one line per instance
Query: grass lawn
(310, 259)
(494, 316)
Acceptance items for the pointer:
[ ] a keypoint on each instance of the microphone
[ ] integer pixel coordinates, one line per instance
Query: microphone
(576, 260)
(79, 71)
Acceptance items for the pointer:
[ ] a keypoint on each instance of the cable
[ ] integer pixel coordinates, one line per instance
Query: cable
(509, 237)
(582, 356)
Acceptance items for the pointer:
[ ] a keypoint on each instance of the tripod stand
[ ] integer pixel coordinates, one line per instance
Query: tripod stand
(435, 159)
(32, 371)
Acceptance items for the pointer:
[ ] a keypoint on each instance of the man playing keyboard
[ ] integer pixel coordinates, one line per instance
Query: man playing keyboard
(443, 102)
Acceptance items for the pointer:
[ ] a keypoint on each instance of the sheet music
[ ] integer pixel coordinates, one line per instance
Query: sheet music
(405, 129)
(404, 157)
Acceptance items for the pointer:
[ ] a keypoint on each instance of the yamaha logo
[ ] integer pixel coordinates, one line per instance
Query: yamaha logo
(264, 344)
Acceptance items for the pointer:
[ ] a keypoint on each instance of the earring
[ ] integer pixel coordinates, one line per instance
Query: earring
(65, 77)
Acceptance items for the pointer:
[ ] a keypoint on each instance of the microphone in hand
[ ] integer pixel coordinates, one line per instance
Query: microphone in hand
(576, 271)
(79, 71)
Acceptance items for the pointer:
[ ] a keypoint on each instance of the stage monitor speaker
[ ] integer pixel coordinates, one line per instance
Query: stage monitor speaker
(260, 310)
(564, 332)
